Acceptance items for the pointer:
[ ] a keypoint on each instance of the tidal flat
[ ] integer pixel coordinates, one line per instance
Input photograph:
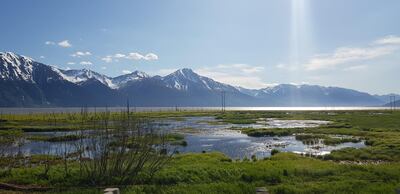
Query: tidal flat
(212, 152)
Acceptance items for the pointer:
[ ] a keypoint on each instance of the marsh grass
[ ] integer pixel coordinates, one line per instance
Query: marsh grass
(216, 173)
(326, 139)
(64, 138)
(140, 149)
(380, 129)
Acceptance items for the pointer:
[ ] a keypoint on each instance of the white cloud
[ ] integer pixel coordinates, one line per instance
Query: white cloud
(103, 68)
(132, 56)
(388, 40)
(64, 43)
(50, 43)
(135, 56)
(236, 74)
(86, 63)
(42, 57)
(346, 55)
(107, 59)
(126, 71)
(355, 68)
(71, 63)
(119, 55)
(81, 54)
(150, 57)
(67, 68)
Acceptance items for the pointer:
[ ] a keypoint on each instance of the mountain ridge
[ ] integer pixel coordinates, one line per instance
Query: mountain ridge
(36, 84)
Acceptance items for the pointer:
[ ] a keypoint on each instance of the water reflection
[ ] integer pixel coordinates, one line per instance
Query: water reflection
(207, 134)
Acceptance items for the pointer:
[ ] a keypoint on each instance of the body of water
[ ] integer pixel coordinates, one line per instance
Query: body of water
(208, 134)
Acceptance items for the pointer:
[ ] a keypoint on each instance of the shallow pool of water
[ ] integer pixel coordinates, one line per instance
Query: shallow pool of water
(208, 134)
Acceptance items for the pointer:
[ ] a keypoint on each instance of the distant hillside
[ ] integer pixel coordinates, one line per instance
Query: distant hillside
(25, 82)
(386, 98)
(396, 103)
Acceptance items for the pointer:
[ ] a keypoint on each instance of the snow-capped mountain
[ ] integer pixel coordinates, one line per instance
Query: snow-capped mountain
(15, 67)
(185, 79)
(250, 92)
(131, 77)
(83, 75)
(314, 95)
(25, 82)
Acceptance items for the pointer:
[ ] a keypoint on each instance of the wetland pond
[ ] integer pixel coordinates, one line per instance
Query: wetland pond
(209, 134)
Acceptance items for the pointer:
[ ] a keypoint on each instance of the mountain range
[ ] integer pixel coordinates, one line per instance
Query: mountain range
(25, 82)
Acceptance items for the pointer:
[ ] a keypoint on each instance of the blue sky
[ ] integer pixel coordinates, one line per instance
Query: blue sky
(347, 43)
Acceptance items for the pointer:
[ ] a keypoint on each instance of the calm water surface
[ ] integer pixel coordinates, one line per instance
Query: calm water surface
(203, 136)
(208, 134)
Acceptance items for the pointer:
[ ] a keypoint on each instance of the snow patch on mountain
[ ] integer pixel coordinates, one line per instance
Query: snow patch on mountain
(185, 79)
(80, 76)
(15, 67)
(131, 77)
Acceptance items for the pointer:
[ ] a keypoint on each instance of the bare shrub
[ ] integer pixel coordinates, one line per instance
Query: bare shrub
(120, 148)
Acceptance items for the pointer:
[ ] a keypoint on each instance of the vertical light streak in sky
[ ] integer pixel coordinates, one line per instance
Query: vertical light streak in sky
(301, 45)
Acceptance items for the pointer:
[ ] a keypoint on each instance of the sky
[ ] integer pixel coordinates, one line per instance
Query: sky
(249, 43)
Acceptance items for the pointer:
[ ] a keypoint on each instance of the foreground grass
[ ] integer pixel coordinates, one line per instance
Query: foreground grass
(215, 173)
(283, 173)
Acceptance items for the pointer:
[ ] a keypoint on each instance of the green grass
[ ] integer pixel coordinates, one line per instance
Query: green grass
(53, 139)
(267, 131)
(170, 138)
(326, 139)
(176, 139)
(73, 121)
(216, 173)
(280, 174)
(9, 136)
